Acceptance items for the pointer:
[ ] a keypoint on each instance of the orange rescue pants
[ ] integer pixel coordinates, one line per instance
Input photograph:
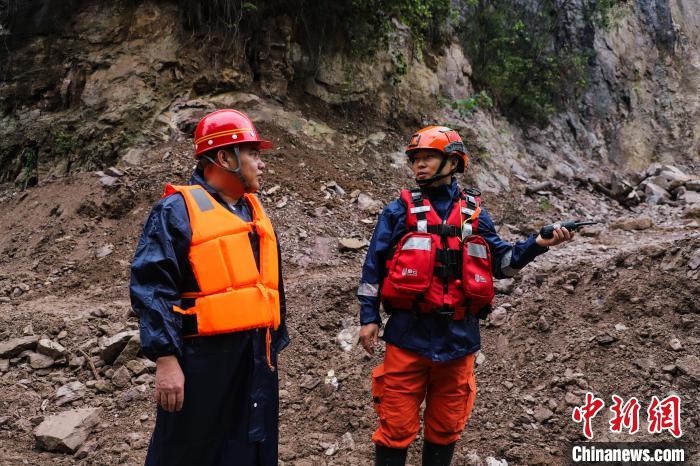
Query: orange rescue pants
(404, 380)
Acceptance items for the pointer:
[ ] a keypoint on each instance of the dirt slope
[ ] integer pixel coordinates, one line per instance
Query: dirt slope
(598, 314)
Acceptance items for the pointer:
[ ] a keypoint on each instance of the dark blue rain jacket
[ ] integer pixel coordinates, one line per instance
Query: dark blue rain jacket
(437, 338)
(231, 406)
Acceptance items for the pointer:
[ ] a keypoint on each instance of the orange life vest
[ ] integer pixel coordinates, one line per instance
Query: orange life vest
(234, 295)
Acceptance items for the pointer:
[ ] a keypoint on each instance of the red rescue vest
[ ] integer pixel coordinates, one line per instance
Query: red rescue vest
(439, 266)
(234, 295)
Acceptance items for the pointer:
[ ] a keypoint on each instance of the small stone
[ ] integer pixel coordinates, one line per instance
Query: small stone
(498, 317)
(86, 449)
(331, 450)
(675, 344)
(491, 461)
(694, 261)
(104, 251)
(50, 348)
(508, 384)
(121, 377)
(620, 327)
(65, 432)
(76, 361)
(97, 312)
(669, 368)
(130, 395)
(542, 324)
(144, 379)
(571, 399)
(690, 366)
(549, 357)
(108, 181)
(348, 337)
(605, 339)
(636, 223)
(367, 204)
(480, 358)
(40, 361)
(69, 392)
(136, 366)
(114, 171)
(472, 459)
(644, 364)
(504, 286)
(347, 442)
(308, 382)
(112, 346)
(351, 244)
(272, 190)
(13, 347)
(543, 414)
(61, 335)
(130, 351)
(150, 365)
(282, 202)
(136, 441)
(104, 386)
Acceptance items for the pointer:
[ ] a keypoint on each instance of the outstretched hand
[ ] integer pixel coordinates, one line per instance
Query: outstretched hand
(559, 236)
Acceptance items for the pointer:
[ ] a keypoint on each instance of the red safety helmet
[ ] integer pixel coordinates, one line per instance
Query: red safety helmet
(442, 139)
(223, 128)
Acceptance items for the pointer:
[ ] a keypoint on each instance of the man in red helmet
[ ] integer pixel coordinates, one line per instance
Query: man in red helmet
(206, 283)
(430, 264)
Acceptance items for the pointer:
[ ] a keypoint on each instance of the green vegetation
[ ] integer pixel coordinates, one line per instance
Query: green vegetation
(517, 56)
(63, 144)
(364, 24)
(29, 176)
(605, 13)
(466, 107)
(544, 204)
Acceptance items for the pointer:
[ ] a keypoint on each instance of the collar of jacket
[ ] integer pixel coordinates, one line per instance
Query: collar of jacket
(445, 191)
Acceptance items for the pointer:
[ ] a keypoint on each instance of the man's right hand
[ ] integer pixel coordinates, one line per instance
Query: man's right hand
(170, 384)
(369, 333)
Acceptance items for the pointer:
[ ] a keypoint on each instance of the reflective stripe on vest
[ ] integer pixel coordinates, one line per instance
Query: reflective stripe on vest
(234, 295)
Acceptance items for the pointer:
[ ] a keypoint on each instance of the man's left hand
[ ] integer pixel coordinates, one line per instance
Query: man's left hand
(559, 236)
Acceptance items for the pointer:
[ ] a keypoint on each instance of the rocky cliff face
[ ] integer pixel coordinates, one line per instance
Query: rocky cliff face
(85, 84)
(643, 102)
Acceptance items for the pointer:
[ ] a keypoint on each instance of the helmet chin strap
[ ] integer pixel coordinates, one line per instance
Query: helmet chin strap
(237, 171)
(424, 183)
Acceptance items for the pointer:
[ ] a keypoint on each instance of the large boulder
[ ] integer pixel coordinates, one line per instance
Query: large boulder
(66, 431)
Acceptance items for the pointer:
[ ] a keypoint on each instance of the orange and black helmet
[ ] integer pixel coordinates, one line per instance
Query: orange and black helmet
(441, 139)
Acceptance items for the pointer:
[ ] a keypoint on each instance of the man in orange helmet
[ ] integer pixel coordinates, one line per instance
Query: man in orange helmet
(206, 283)
(430, 264)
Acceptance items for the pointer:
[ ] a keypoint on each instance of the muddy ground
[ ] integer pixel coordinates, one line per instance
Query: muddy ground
(614, 312)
